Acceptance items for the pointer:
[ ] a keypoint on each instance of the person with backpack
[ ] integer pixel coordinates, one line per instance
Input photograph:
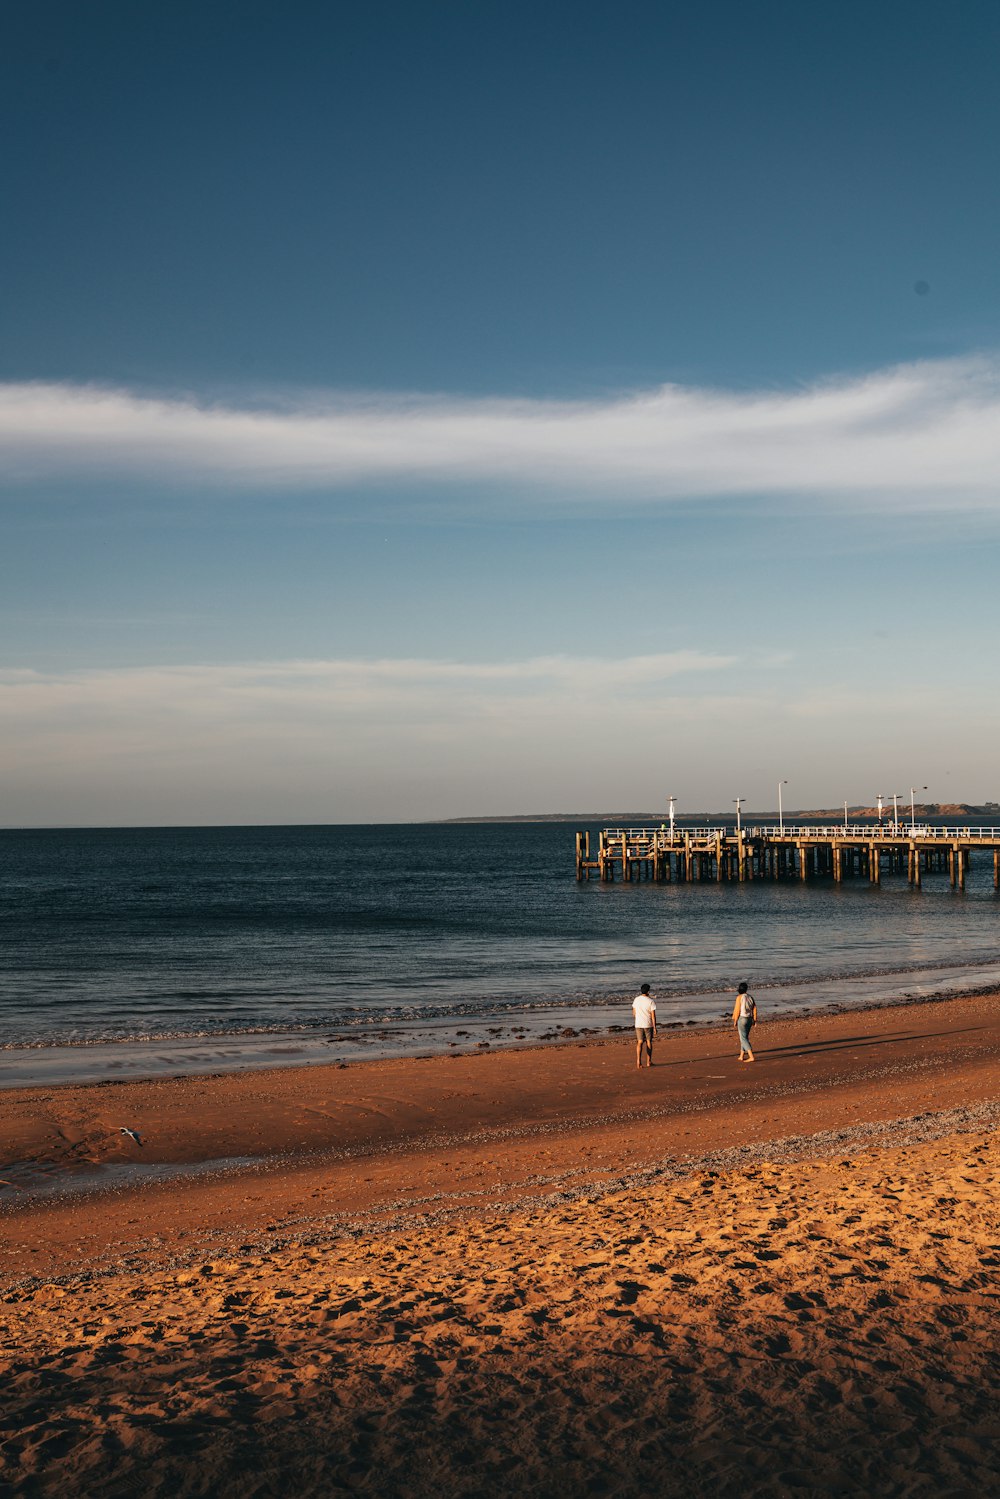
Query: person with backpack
(744, 1018)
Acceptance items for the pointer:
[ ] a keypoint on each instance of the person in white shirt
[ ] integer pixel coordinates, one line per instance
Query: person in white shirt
(644, 1010)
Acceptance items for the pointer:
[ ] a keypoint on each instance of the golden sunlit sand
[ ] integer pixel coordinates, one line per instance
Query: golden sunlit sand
(526, 1274)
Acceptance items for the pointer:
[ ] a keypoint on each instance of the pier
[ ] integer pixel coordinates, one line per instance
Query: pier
(785, 852)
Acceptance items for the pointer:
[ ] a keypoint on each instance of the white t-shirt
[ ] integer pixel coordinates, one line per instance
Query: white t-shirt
(643, 1008)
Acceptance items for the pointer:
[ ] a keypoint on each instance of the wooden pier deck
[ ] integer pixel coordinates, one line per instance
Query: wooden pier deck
(786, 852)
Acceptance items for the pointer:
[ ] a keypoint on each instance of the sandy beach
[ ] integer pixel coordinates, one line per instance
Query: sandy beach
(535, 1272)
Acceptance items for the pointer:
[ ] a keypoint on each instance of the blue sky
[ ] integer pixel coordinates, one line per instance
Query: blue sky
(421, 411)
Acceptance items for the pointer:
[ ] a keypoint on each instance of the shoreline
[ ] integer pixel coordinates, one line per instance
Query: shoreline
(93, 1062)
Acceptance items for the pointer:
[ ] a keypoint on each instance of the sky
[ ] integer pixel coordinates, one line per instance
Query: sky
(426, 411)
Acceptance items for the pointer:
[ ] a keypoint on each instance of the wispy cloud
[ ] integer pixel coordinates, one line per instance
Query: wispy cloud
(340, 740)
(141, 699)
(921, 436)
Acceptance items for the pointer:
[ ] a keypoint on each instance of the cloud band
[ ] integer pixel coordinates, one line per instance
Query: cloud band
(926, 435)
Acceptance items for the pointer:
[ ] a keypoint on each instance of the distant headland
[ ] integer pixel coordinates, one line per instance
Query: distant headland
(925, 811)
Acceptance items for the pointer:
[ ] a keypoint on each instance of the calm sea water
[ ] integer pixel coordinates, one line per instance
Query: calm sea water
(237, 946)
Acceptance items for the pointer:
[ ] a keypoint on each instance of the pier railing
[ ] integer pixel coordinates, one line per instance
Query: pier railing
(800, 831)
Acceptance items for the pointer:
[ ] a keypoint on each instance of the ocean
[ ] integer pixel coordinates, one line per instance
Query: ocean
(150, 951)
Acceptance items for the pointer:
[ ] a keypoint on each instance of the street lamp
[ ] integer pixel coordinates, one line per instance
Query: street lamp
(880, 799)
(739, 800)
(895, 810)
(673, 803)
(913, 810)
(845, 817)
(781, 820)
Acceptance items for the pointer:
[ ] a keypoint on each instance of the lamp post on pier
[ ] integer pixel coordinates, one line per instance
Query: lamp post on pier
(673, 803)
(781, 819)
(739, 800)
(845, 817)
(913, 810)
(879, 800)
(895, 810)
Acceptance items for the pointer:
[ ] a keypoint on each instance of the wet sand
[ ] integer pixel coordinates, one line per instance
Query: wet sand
(534, 1272)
